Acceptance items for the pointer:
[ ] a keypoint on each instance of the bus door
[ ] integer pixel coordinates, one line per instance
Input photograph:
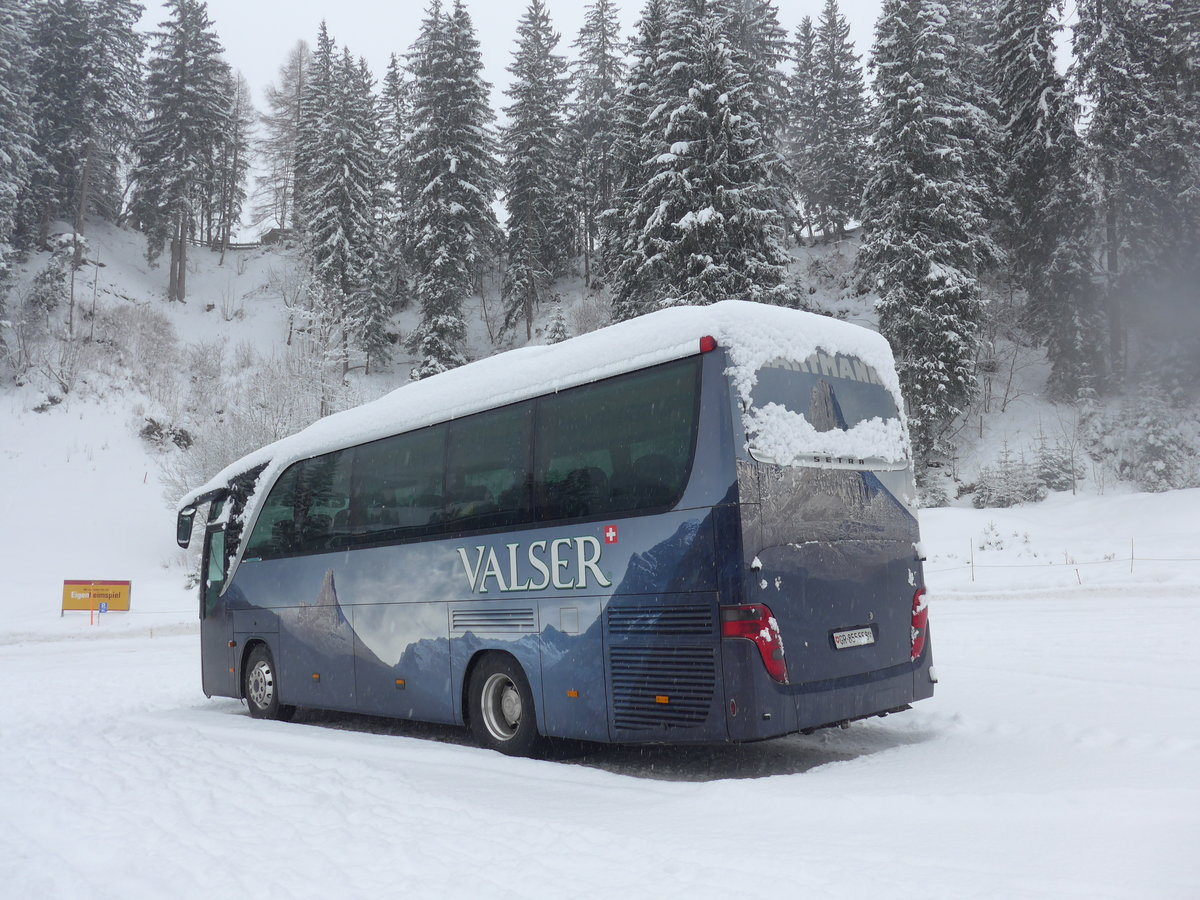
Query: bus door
(216, 622)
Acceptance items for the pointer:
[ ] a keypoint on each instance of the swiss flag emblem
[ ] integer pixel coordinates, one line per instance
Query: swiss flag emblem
(610, 534)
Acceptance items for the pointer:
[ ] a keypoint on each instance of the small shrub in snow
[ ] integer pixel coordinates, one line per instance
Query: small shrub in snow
(931, 488)
(1157, 457)
(48, 404)
(1145, 443)
(1008, 481)
(797, 293)
(556, 331)
(1056, 465)
(991, 539)
(48, 290)
(160, 434)
(593, 311)
(244, 356)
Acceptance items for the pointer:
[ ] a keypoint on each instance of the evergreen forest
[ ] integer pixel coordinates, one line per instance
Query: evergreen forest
(993, 175)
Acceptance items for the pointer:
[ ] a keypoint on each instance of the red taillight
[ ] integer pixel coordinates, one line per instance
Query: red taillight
(920, 623)
(756, 623)
(708, 344)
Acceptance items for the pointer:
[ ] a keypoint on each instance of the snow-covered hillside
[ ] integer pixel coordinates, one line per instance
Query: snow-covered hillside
(1060, 756)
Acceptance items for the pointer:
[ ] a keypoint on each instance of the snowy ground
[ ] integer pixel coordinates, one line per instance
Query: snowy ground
(1060, 757)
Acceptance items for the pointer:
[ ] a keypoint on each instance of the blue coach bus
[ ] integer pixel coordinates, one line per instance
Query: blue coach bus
(696, 526)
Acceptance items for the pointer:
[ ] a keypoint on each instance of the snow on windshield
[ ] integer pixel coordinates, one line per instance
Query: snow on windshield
(781, 436)
(830, 409)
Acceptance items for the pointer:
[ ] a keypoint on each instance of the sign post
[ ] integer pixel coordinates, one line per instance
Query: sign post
(96, 596)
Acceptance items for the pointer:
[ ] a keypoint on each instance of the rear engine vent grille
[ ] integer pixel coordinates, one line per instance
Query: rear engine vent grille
(493, 620)
(661, 620)
(662, 687)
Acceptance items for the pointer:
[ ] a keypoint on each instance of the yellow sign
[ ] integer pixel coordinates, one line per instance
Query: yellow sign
(89, 595)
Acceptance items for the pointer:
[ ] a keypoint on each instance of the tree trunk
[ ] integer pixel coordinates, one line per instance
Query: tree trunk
(43, 238)
(173, 276)
(74, 269)
(1116, 325)
(85, 188)
(529, 289)
(183, 243)
(588, 225)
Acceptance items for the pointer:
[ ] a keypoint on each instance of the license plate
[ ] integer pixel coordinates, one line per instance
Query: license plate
(855, 637)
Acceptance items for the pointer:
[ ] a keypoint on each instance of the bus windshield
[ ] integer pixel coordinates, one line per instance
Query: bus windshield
(830, 410)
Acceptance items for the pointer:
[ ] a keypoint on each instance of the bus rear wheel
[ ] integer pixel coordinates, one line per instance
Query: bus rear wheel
(261, 687)
(500, 707)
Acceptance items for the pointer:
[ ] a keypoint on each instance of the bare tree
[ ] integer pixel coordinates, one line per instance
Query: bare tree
(275, 190)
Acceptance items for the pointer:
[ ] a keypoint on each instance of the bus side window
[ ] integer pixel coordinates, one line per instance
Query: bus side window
(622, 445)
(214, 578)
(323, 495)
(216, 558)
(398, 484)
(274, 530)
(300, 512)
(487, 468)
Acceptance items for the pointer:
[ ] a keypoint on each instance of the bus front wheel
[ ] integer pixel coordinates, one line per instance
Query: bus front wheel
(261, 687)
(501, 707)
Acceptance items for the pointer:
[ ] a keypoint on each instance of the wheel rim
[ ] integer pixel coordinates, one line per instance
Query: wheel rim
(502, 707)
(260, 684)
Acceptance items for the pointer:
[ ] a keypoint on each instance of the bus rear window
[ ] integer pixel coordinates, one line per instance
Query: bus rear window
(830, 409)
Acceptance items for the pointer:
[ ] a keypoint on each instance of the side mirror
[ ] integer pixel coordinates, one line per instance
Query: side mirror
(183, 526)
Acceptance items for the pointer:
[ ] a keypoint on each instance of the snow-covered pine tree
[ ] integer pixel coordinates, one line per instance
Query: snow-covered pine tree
(316, 100)
(535, 178)
(454, 170)
(187, 106)
(87, 74)
(59, 35)
(972, 26)
(233, 158)
(800, 132)
(707, 225)
(1183, 41)
(397, 192)
(632, 151)
(1156, 455)
(16, 126)
(1184, 44)
(925, 238)
(1055, 466)
(339, 195)
(16, 136)
(112, 107)
(556, 331)
(1174, 314)
(274, 192)
(759, 47)
(1008, 481)
(1139, 160)
(840, 130)
(597, 76)
(372, 307)
(1047, 227)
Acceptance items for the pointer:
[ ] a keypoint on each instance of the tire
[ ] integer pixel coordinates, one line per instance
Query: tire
(260, 687)
(500, 707)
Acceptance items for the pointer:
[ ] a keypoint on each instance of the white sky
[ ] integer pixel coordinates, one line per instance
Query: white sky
(257, 34)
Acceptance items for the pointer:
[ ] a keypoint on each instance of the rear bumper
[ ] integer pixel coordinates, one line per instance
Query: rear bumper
(758, 708)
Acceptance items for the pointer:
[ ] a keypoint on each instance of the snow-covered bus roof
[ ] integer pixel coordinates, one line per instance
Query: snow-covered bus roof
(752, 333)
